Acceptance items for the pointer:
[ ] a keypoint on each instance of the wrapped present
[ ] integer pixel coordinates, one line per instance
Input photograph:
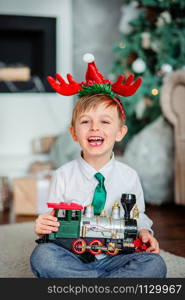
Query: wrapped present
(43, 144)
(5, 194)
(30, 195)
(40, 167)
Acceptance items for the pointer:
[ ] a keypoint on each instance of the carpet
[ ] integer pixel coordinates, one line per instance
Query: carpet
(18, 240)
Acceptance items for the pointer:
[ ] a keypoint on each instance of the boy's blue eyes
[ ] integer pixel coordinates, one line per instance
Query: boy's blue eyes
(103, 121)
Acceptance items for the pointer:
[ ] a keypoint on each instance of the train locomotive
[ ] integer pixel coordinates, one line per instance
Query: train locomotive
(81, 231)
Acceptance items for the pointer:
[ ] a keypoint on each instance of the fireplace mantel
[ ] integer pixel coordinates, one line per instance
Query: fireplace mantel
(27, 53)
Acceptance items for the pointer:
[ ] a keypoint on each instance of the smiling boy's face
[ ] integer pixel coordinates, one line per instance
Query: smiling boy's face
(97, 130)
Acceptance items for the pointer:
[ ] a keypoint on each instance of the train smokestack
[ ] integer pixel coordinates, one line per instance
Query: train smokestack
(128, 201)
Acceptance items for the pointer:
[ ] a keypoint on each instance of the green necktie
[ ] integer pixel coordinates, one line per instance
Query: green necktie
(99, 195)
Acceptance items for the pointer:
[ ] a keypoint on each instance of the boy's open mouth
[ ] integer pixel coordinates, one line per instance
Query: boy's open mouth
(95, 140)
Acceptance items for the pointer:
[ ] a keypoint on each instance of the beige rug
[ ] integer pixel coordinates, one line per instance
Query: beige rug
(18, 240)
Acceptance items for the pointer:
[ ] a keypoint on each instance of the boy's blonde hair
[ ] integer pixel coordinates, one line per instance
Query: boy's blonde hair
(89, 102)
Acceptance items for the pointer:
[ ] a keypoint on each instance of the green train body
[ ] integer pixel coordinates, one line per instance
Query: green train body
(69, 224)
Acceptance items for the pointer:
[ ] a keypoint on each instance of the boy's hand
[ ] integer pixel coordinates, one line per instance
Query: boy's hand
(147, 238)
(46, 223)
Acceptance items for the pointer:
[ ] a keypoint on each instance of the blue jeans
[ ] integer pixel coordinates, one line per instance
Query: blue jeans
(52, 261)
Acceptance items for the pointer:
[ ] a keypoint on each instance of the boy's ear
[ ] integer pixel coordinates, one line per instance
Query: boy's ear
(73, 133)
(121, 133)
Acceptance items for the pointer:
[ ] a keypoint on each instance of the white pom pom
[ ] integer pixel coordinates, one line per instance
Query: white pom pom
(88, 57)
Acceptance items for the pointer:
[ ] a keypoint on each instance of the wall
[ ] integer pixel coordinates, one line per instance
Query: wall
(83, 26)
(95, 30)
(25, 116)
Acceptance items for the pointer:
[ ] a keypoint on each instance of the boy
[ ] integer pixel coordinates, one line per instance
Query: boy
(97, 123)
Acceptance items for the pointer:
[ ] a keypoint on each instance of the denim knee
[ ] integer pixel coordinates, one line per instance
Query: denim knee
(41, 258)
(159, 268)
(150, 265)
(52, 261)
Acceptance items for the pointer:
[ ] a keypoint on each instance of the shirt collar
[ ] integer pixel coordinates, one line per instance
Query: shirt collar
(89, 171)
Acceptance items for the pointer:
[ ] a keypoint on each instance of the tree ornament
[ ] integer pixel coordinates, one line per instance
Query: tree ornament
(155, 46)
(122, 45)
(129, 13)
(166, 68)
(164, 18)
(155, 92)
(139, 65)
(145, 40)
(140, 108)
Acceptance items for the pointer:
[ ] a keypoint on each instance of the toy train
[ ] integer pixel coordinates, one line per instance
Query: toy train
(96, 234)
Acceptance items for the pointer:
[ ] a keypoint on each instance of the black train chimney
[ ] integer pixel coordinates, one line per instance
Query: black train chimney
(128, 201)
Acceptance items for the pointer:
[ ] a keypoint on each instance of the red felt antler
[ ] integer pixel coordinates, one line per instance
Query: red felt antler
(62, 87)
(128, 88)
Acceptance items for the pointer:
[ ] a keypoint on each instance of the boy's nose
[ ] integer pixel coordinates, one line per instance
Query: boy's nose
(94, 127)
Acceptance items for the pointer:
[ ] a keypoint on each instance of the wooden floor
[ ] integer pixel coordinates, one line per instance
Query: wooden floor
(169, 226)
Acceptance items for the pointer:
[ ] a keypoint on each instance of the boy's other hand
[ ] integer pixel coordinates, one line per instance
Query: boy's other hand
(148, 239)
(46, 223)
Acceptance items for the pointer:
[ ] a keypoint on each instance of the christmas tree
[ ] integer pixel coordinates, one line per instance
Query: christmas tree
(152, 46)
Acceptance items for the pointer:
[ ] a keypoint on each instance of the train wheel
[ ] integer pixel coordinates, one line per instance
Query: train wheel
(95, 244)
(79, 246)
(112, 251)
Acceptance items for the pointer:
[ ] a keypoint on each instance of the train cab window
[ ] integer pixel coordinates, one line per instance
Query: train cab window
(69, 215)
(62, 213)
(74, 215)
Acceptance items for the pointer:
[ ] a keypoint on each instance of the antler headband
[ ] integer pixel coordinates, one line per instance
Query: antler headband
(95, 84)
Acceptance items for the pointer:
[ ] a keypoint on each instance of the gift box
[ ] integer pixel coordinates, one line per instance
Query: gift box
(30, 195)
(43, 144)
(40, 167)
(5, 193)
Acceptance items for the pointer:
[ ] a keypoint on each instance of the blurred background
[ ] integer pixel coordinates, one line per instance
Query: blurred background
(42, 37)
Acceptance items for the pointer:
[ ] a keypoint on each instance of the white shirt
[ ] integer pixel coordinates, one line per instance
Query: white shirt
(75, 182)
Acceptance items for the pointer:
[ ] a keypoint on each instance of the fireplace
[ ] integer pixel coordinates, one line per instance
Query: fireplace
(27, 53)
